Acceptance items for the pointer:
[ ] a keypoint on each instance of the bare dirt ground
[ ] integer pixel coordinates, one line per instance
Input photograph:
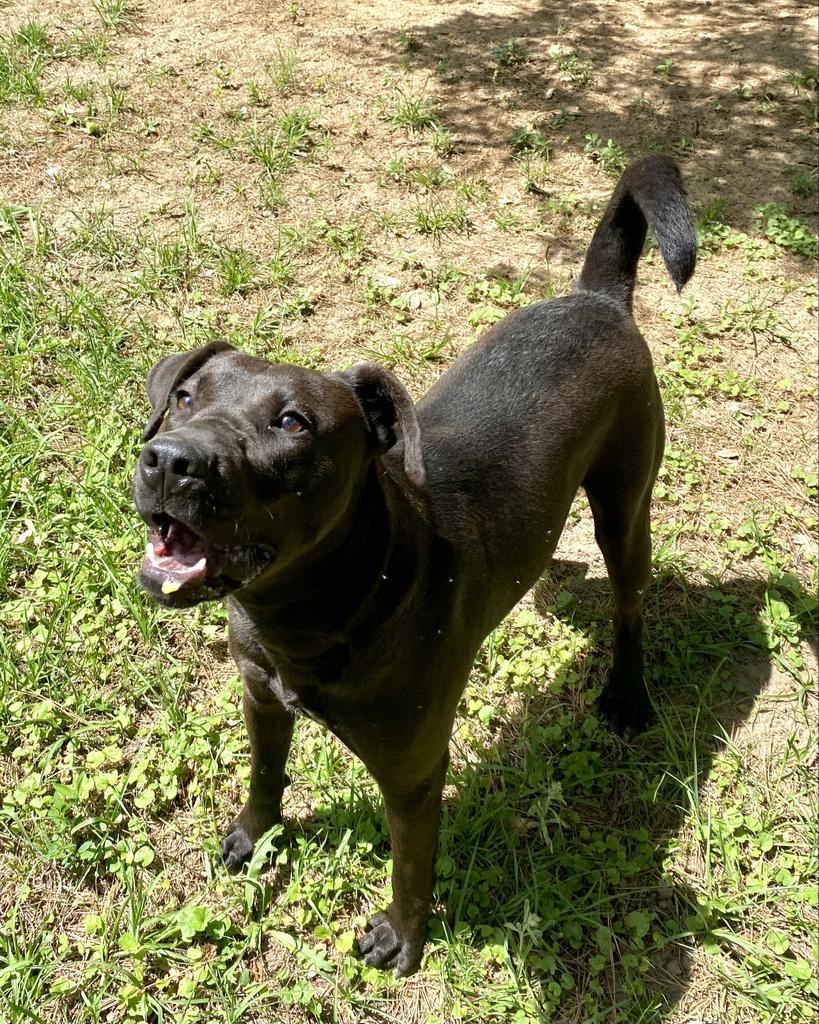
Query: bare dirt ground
(725, 109)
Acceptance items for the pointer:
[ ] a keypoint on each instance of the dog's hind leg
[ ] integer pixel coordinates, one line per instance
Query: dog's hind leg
(619, 492)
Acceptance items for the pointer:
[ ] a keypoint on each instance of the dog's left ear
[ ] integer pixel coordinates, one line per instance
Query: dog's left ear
(166, 375)
(386, 404)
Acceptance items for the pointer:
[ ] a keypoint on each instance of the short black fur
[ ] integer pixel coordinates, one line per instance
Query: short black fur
(366, 556)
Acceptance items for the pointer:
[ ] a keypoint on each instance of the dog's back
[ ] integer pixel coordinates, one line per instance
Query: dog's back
(512, 429)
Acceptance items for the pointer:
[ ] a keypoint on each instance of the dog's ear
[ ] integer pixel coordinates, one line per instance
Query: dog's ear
(386, 404)
(165, 377)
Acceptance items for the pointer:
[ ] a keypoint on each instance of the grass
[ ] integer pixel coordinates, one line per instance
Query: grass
(608, 155)
(413, 111)
(283, 69)
(509, 54)
(436, 219)
(664, 881)
(573, 67)
(23, 59)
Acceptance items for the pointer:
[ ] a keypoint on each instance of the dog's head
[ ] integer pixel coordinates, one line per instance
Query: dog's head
(249, 464)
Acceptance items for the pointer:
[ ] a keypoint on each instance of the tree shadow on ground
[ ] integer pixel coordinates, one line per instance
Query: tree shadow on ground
(558, 842)
(709, 83)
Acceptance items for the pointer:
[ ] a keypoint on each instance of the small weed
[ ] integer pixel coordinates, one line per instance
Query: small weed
(564, 205)
(664, 68)
(609, 155)
(205, 131)
(712, 222)
(507, 219)
(694, 368)
(94, 234)
(276, 152)
(115, 99)
(573, 68)
(296, 127)
(428, 176)
(808, 479)
(114, 14)
(755, 317)
(406, 41)
(510, 54)
(406, 354)
(348, 242)
(80, 92)
(809, 113)
(444, 66)
(94, 115)
(23, 59)
(282, 70)
(496, 295)
(32, 38)
(413, 111)
(379, 292)
(238, 270)
(436, 219)
(473, 190)
(535, 175)
(788, 232)
(257, 96)
(562, 118)
(441, 141)
(223, 73)
(805, 80)
(804, 183)
(528, 140)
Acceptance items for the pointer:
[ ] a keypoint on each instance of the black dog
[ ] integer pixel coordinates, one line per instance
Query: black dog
(367, 548)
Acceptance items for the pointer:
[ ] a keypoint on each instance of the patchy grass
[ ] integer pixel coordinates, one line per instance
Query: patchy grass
(295, 189)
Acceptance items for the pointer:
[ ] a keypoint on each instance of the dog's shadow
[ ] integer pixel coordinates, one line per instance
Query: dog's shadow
(561, 845)
(569, 852)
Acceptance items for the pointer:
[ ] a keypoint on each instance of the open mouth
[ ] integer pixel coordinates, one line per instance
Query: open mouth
(176, 556)
(178, 559)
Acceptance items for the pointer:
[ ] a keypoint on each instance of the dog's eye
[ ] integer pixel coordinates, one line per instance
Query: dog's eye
(290, 424)
(183, 400)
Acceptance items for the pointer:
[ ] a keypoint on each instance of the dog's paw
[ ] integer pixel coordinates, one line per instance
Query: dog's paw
(625, 715)
(385, 945)
(246, 829)
(237, 847)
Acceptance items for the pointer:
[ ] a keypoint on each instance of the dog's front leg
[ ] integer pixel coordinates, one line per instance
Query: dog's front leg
(270, 730)
(394, 938)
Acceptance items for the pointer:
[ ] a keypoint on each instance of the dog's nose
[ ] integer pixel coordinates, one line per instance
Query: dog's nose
(173, 462)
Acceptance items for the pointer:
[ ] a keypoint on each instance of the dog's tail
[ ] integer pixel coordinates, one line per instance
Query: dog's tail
(649, 193)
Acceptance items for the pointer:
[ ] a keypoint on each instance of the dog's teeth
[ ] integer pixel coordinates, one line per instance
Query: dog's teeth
(200, 564)
(150, 554)
(170, 586)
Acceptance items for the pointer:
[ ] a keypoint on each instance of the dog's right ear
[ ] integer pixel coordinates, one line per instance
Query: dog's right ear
(165, 377)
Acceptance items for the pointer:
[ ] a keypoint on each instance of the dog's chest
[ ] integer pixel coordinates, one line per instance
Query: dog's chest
(315, 690)
(320, 705)
(307, 701)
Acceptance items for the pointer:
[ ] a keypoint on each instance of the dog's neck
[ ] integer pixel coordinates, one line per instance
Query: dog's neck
(365, 570)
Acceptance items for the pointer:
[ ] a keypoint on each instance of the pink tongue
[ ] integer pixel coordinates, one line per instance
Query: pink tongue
(174, 569)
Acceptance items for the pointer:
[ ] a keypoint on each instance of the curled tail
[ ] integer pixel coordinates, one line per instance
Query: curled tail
(649, 193)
